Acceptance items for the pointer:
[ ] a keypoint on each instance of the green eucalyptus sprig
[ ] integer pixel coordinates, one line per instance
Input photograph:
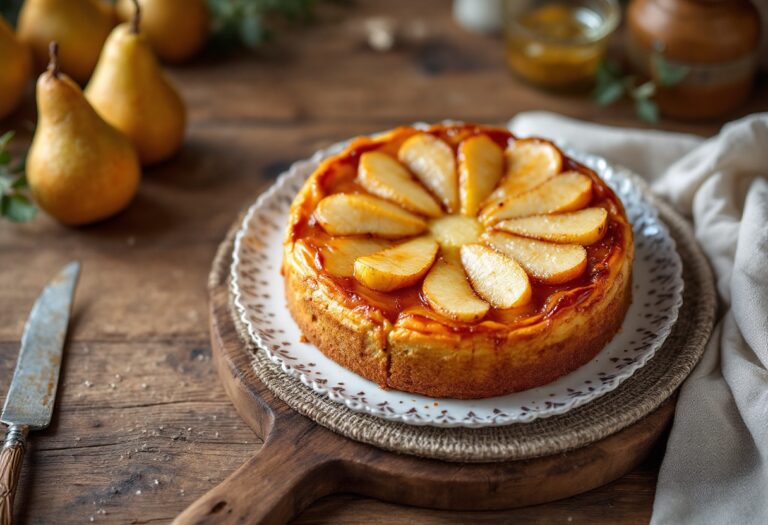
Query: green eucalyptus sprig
(246, 23)
(612, 83)
(15, 203)
(249, 23)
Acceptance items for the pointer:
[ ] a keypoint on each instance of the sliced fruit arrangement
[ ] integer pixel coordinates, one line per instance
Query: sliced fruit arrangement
(357, 214)
(566, 192)
(481, 162)
(432, 161)
(583, 227)
(385, 177)
(454, 231)
(495, 277)
(447, 291)
(530, 163)
(471, 228)
(547, 262)
(397, 267)
(340, 253)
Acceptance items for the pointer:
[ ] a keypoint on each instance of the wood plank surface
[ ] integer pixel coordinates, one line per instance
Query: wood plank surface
(142, 426)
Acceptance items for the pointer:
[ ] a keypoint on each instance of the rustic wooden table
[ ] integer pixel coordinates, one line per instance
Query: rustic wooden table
(142, 426)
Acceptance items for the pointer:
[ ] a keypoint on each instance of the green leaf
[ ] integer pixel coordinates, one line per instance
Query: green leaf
(647, 110)
(608, 93)
(5, 138)
(251, 30)
(249, 22)
(667, 73)
(644, 91)
(5, 155)
(609, 84)
(15, 205)
(17, 208)
(20, 183)
(607, 70)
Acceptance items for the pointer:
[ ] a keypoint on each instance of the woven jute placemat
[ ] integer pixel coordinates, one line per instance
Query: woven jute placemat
(637, 397)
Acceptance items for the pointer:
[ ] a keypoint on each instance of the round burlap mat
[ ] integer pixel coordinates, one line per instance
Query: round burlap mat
(632, 400)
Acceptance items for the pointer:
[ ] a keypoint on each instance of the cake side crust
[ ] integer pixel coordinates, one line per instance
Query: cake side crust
(460, 366)
(351, 340)
(486, 364)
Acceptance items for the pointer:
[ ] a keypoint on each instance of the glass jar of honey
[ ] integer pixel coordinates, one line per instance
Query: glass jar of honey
(558, 44)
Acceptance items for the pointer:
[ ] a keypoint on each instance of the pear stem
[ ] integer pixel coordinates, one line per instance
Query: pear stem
(136, 17)
(53, 53)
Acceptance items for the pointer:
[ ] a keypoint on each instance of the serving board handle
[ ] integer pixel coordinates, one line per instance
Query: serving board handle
(302, 461)
(285, 476)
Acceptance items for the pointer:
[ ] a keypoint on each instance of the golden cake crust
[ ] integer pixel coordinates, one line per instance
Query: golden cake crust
(398, 341)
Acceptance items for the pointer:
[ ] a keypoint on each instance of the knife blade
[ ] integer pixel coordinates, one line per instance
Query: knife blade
(29, 403)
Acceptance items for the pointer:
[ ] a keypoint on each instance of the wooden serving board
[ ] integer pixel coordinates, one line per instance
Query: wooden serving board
(302, 461)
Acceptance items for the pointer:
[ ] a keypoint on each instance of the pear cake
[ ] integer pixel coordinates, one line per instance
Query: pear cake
(457, 261)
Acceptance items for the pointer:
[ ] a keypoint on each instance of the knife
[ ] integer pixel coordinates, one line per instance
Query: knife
(29, 404)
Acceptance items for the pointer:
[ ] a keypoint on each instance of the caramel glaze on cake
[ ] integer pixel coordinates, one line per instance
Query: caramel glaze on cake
(399, 341)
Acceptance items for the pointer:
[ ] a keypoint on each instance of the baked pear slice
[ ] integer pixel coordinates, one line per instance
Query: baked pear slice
(339, 253)
(454, 231)
(383, 176)
(481, 162)
(565, 192)
(433, 163)
(495, 277)
(530, 163)
(397, 267)
(545, 261)
(448, 292)
(358, 214)
(583, 227)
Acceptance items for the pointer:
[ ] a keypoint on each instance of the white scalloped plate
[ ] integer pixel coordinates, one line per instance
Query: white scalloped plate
(258, 291)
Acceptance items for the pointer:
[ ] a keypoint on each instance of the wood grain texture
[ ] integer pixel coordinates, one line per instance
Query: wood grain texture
(11, 459)
(301, 461)
(142, 426)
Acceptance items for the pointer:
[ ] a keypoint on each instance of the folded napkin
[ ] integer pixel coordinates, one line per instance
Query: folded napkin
(715, 469)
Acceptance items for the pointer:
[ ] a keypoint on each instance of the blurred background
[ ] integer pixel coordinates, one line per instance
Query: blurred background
(255, 85)
(688, 59)
(336, 68)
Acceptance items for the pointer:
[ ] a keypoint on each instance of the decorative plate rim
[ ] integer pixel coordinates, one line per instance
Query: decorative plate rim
(612, 174)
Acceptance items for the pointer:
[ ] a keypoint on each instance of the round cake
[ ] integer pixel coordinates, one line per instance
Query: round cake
(457, 261)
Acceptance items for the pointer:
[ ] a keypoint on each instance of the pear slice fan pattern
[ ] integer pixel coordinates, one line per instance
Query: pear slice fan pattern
(472, 228)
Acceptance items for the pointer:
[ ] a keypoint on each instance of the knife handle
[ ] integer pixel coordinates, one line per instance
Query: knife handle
(11, 458)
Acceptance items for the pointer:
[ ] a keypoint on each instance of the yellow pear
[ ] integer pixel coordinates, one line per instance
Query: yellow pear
(79, 26)
(16, 69)
(80, 169)
(176, 29)
(131, 92)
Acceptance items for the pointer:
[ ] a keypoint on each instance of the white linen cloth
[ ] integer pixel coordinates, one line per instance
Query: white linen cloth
(715, 469)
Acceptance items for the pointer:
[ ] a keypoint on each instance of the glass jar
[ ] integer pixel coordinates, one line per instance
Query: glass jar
(558, 44)
(702, 54)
